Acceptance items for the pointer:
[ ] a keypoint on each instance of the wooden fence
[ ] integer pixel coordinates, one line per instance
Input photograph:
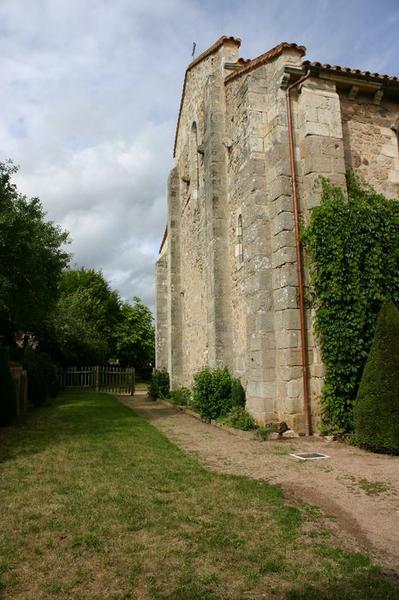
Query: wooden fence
(113, 379)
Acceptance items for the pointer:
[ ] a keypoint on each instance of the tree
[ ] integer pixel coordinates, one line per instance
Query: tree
(83, 324)
(376, 409)
(135, 335)
(32, 258)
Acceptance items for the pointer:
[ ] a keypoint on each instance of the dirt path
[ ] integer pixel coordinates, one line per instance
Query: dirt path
(360, 489)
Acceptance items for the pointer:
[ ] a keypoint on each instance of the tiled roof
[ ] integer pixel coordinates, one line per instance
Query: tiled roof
(248, 66)
(346, 71)
(222, 40)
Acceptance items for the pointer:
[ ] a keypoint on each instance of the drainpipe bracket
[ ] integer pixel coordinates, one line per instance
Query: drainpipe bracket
(290, 74)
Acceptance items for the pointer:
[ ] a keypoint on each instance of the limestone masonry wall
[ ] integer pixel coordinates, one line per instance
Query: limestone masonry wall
(227, 287)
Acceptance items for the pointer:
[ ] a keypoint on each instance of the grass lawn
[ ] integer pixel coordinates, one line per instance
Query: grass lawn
(96, 503)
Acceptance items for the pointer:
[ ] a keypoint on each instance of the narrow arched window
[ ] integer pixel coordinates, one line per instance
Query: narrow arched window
(194, 165)
(240, 247)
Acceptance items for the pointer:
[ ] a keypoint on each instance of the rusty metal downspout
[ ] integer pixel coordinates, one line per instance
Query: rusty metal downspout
(299, 261)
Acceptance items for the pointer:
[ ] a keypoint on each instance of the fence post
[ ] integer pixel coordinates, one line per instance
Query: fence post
(97, 379)
(133, 382)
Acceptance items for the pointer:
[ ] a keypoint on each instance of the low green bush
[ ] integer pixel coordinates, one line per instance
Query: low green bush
(43, 376)
(237, 393)
(212, 392)
(239, 418)
(159, 386)
(153, 388)
(8, 399)
(181, 396)
(376, 409)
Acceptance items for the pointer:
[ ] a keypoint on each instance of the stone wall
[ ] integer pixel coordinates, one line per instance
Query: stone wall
(229, 266)
(202, 288)
(161, 314)
(370, 140)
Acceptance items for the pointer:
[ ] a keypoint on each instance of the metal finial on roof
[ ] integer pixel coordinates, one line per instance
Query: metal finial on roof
(193, 50)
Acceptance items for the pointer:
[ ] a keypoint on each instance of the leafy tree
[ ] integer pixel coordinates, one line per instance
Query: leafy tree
(135, 335)
(376, 409)
(84, 322)
(32, 257)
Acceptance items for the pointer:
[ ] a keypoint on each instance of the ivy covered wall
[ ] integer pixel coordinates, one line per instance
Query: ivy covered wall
(352, 247)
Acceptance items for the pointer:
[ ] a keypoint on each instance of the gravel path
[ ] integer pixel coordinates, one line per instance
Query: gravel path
(358, 488)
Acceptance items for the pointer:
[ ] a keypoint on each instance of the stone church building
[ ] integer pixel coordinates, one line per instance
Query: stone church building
(252, 139)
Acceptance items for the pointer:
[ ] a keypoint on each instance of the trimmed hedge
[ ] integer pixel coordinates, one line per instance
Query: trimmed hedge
(376, 409)
(8, 399)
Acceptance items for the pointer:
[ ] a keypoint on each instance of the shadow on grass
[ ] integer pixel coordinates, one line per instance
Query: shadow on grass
(65, 418)
(368, 585)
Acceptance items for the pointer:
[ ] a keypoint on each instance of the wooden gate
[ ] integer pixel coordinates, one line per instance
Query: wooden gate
(113, 379)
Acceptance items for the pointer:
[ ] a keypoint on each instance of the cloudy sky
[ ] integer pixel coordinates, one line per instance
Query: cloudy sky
(89, 94)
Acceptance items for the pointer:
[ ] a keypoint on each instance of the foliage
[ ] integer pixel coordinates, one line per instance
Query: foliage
(153, 388)
(181, 396)
(32, 257)
(135, 335)
(8, 401)
(91, 325)
(376, 409)
(264, 432)
(353, 246)
(159, 386)
(82, 326)
(237, 393)
(239, 418)
(212, 392)
(42, 376)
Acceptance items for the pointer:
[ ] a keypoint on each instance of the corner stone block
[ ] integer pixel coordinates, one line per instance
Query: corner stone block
(287, 339)
(282, 222)
(287, 319)
(261, 389)
(285, 298)
(284, 276)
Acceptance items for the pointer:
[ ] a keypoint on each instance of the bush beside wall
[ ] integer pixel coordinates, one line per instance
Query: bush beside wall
(8, 399)
(212, 392)
(376, 409)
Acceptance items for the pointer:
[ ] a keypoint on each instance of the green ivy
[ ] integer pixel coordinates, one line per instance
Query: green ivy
(353, 251)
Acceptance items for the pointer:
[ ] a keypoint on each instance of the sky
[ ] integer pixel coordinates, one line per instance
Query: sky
(90, 91)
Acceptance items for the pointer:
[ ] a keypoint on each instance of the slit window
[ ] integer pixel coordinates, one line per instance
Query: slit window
(240, 247)
(194, 163)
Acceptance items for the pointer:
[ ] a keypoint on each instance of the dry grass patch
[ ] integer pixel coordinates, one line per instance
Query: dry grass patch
(96, 503)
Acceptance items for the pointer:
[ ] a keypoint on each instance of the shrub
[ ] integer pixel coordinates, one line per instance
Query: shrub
(181, 396)
(264, 432)
(8, 399)
(237, 393)
(43, 380)
(153, 388)
(376, 409)
(159, 385)
(212, 392)
(239, 418)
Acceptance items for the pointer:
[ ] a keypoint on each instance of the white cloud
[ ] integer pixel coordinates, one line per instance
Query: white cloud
(89, 96)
